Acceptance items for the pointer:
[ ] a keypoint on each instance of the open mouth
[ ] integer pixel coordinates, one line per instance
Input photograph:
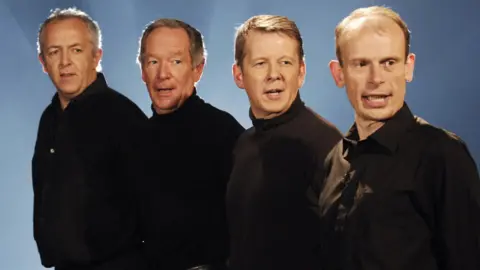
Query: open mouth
(67, 75)
(375, 97)
(376, 100)
(164, 89)
(273, 93)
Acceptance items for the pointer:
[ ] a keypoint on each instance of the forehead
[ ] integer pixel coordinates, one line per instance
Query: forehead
(165, 39)
(372, 37)
(270, 44)
(71, 30)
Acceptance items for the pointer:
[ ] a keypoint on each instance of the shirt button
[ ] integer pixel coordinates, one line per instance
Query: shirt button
(52, 150)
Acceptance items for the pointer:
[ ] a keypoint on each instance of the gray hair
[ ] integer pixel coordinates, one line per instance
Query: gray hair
(72, 13)
(198, 53)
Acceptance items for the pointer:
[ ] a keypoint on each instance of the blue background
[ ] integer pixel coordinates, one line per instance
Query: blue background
(445, 38)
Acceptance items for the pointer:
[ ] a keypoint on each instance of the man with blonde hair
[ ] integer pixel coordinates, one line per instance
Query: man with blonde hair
(271, 224)
(400, 193)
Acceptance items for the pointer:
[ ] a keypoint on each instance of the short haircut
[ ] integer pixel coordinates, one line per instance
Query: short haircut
(71, 13)
(198, 53)
(266, 24)
(366, 12)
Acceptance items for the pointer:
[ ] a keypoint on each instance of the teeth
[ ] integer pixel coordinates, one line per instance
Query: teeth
(273, 91)
(375, 97)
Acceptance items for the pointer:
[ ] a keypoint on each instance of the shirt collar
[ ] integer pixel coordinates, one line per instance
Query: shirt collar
(97, 86)
(186, 107)
(388, 135)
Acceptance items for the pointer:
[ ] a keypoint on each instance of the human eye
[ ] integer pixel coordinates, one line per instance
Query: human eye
(360, 63)
(52, 53)
(389, 63)
(152, 62)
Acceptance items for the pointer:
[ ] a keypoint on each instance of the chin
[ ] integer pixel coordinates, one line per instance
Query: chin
(380, 115)
(68, 90)
(275, 108)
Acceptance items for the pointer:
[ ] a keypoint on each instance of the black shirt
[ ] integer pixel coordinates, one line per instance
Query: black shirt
(83, 212)
(271, 224)
(407, 197)
(188, 159)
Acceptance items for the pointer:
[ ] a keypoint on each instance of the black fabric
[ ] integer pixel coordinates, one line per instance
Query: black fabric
(275, 161)
(416, 203)
(187, 159)
(84, 212)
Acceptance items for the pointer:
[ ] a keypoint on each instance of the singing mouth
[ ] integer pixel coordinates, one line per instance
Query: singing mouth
(66, 75)
(273, 91)
(164, 89)
(375, 97)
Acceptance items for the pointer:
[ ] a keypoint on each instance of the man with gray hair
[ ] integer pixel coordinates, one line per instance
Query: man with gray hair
(188, 148)
(84, 215)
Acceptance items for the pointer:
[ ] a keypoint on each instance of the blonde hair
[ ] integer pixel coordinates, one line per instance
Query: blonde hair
(366, 12)
(268, 24)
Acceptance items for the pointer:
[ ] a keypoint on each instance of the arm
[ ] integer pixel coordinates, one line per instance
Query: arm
(457, 207)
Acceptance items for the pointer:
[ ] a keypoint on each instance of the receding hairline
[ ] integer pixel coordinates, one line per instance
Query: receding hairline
(375, 22)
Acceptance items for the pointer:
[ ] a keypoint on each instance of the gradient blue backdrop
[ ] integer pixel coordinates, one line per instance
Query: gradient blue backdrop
(445, 37)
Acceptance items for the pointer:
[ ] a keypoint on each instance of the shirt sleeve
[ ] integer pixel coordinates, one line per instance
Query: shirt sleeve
(457, 207)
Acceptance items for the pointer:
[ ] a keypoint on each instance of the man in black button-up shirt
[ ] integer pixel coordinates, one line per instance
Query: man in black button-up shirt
(399, 193)
(84, 212)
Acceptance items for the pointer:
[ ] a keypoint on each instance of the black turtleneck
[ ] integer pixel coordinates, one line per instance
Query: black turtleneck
(189, 156)
(271, 224)
(83, 212)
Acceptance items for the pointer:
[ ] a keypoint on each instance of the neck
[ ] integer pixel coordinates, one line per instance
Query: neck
(63, 101)
(182, 101)
(160, 111)
(366, 128)
(260, 114)
(266, 116)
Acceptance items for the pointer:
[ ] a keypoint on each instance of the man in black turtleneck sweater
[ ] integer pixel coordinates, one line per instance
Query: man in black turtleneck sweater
(271, 223)
(188, 150)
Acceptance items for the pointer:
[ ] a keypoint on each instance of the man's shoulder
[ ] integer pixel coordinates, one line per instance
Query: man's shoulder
(432, 133)
(245, 137)
(47, 113)
(115, 102)
(219, 117)
(439, 141)
(320, 123)
(321, 134)
(215, 112)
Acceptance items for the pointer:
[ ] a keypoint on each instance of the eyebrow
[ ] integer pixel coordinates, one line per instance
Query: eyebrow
(58, 46)
(263, 57)
(383, 59)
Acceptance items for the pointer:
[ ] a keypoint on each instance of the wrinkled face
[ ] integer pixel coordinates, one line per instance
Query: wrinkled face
(375, 71)
(271, 73)
(167, 68)
(69, 56)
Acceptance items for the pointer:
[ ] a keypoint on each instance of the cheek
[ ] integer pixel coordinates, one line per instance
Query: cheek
(253, 81)
(354, 86)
